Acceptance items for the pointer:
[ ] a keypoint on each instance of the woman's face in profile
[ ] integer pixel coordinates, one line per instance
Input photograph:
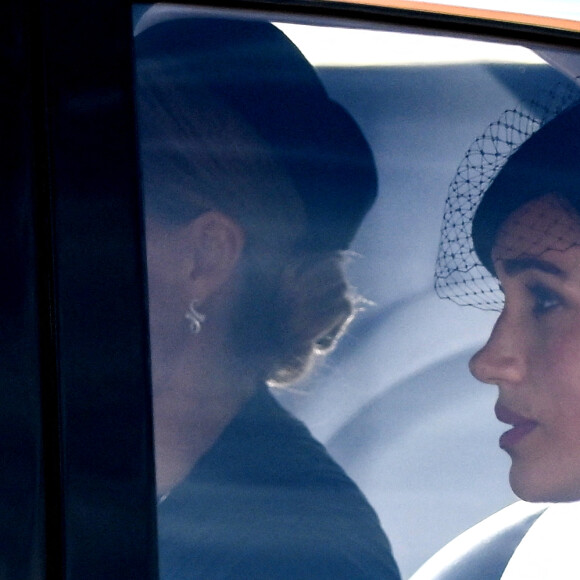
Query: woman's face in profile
(533, 353)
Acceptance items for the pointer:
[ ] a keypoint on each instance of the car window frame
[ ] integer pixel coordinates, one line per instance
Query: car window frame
(94, 498)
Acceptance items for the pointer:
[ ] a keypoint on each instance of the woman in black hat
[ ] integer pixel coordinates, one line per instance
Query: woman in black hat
(255, 183)
(521, 228)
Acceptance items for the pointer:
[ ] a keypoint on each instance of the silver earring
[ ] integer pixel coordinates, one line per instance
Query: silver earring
(195, 318)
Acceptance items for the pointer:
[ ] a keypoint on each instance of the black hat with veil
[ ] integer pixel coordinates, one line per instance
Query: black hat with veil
(522, 156)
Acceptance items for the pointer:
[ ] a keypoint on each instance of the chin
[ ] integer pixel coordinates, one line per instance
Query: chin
(539, 489)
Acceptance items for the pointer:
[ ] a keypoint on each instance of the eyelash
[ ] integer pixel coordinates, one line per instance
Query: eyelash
(545, 299)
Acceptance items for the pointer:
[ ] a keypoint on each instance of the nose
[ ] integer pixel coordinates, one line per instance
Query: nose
(502, 359)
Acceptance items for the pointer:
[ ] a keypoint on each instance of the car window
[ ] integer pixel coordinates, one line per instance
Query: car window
(393, 402)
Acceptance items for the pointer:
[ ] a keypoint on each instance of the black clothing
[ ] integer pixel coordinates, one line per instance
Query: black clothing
(267, 502)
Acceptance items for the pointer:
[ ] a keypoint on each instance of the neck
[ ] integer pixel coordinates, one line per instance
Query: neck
(194, 399)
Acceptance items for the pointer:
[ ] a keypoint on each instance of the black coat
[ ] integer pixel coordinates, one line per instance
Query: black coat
(268, 502)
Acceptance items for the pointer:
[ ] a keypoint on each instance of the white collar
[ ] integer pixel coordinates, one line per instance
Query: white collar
(551, 548)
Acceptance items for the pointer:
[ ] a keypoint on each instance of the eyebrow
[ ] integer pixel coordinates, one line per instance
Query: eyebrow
(515, 266)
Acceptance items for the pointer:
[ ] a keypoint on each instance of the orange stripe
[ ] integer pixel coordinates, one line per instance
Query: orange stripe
(493, 15)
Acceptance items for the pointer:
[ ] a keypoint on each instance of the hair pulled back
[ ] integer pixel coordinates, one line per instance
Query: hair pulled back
(198, 155)
(284, 325)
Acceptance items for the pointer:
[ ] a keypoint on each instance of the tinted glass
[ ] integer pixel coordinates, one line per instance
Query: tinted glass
(237, 192)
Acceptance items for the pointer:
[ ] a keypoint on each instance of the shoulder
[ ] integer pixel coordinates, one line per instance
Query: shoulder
(266, 444)
(272, 493)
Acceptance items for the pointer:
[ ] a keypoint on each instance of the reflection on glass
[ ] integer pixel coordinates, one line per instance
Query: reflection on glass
(255, 183)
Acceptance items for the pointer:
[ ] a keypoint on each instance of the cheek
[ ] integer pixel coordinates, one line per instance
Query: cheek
(557, 368)
(167, 305)
(549, 468)
(555, 348)
(558, 387)
(554, 375)
(158, 283)
(562, 351)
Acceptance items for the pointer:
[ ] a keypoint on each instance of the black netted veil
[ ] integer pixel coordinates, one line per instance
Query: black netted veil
(464, 273)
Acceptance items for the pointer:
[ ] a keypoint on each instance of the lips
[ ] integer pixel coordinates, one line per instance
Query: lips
(522, 426)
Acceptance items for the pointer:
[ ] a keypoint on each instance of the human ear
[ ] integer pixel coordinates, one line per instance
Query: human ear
(217, 242)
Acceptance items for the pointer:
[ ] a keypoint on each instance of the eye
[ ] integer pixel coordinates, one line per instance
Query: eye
(545, 299)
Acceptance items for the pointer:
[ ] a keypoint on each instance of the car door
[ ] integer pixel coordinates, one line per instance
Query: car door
(75, 415)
